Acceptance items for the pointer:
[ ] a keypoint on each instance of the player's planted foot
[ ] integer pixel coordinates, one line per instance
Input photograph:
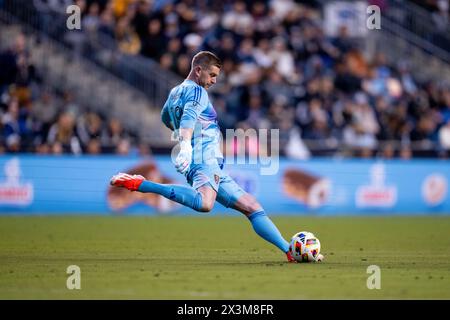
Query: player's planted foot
(320, 257)
(125, 180)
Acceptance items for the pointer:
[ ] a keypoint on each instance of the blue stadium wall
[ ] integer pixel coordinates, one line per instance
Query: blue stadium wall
(31, 184)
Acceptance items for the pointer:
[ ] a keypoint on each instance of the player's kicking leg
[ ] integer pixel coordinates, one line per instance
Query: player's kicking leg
(231, 195)
(201, 199)
(261, 223)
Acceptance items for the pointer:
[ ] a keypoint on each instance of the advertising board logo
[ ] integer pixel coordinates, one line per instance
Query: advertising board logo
(12, 191)
(376, 194)
(434, 189)
(307, 188)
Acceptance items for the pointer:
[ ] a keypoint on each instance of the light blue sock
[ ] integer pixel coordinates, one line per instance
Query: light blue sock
(185, 195)
(267, 230)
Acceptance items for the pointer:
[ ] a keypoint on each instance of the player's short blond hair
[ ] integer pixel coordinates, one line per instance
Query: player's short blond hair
(206, 59)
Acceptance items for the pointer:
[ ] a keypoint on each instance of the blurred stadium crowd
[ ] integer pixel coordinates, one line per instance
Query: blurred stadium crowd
(37, 119)
(279, 71)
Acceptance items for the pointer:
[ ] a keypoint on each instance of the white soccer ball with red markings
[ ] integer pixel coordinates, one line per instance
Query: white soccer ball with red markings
(305, 247)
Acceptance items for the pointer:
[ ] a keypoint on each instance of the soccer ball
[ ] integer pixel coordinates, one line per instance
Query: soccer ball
(305, 247)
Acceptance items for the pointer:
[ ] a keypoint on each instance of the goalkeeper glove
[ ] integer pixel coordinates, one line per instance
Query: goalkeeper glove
(184, 158)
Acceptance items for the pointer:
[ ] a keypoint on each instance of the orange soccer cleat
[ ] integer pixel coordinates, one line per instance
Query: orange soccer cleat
(125, 180)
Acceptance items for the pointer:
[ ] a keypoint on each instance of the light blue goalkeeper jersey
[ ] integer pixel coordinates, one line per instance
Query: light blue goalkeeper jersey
(188, 106)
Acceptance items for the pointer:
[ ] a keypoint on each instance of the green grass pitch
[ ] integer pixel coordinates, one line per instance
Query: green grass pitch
(220, 257)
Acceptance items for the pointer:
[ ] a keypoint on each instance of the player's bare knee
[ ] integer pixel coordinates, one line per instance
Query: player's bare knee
(251, 208)
(208, 199)
(255, 207)
(252, 205)
(247, 204)
(206, 207)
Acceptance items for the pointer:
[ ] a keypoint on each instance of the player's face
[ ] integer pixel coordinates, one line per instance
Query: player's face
(208, 76)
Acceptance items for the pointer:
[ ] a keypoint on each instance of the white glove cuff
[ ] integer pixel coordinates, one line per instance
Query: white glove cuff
(185, 145)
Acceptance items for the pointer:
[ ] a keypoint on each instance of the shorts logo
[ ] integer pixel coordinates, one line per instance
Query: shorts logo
(216, 179)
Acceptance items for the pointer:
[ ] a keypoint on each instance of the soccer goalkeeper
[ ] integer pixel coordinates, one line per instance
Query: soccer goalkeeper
(189, 112)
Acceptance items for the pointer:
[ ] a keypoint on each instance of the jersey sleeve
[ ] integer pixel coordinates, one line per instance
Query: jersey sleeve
(165, 116)
(196, 101)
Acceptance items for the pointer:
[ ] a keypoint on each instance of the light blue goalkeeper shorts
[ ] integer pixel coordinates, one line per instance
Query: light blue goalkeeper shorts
(228, 191)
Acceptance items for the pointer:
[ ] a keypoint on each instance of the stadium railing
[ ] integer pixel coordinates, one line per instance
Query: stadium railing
(398, 43)
(142, 73)
(420, 22)
(92, 86)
